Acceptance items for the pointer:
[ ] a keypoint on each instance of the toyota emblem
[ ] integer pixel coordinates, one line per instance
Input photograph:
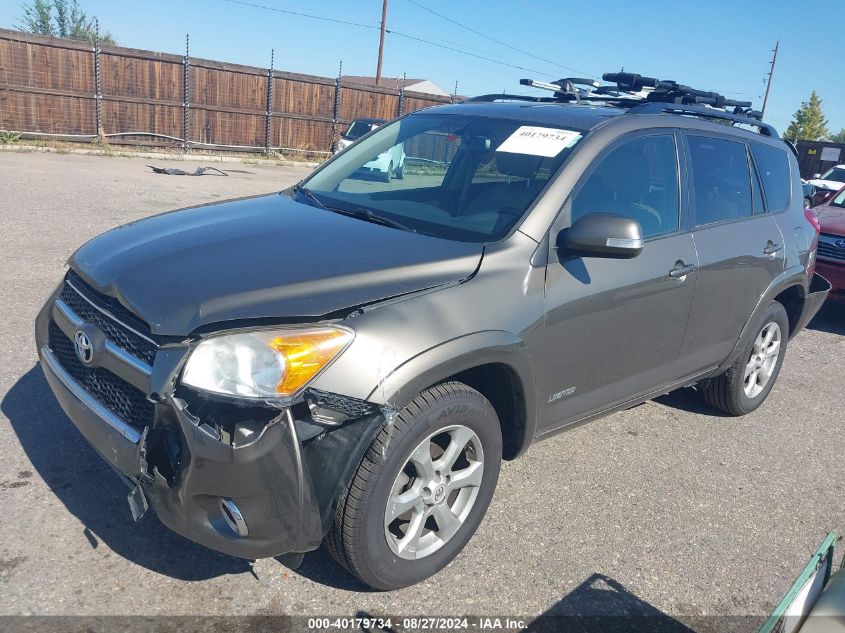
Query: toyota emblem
(83, 346)
(839, 243)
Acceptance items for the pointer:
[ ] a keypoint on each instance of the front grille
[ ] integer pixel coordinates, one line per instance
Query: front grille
(117, 332)
(127, 402)
(828, 249)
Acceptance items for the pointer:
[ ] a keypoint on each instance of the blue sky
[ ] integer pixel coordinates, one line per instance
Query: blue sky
(721, 45)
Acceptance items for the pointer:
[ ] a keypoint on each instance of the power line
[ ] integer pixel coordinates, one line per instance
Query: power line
(392, 32)
(457, 50)
(305, 15)
(498, 41)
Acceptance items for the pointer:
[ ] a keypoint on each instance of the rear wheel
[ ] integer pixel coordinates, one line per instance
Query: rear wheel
(400, 172)
(747, 382)
(421, 490)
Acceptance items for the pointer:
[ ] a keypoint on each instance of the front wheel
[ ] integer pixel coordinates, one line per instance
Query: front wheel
(385, 176)
(421, 490)
(747, 382)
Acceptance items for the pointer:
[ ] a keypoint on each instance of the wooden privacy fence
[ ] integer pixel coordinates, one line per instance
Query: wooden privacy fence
(72, 90)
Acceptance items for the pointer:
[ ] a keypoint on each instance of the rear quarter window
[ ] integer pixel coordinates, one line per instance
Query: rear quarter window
(773, 167)
(721, 180)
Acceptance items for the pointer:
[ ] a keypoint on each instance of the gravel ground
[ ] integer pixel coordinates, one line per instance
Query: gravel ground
(666, 509)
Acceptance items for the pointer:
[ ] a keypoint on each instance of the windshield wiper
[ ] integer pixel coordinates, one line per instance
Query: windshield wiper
(360, 212)
(365, 214)
(305, 191)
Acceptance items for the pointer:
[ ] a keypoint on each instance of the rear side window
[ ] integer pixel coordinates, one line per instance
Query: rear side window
(721, 180)
(637, 179)
(773, 167)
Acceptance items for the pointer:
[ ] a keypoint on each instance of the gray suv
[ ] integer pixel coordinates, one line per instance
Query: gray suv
(349, 361)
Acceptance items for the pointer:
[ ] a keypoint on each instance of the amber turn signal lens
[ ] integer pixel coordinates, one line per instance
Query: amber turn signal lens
(305, 354)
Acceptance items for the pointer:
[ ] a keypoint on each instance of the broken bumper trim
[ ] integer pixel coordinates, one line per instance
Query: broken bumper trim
(816, 295)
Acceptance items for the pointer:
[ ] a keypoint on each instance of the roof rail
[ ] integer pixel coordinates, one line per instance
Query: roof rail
(502, 96)
(656, 107)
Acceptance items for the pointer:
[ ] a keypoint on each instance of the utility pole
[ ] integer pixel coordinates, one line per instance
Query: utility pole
(381, 41)
(769, 81)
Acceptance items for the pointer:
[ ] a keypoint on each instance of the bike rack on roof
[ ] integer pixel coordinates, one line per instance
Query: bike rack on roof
(641, 95)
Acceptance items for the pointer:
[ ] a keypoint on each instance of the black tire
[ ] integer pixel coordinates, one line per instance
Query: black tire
(357, 538)
(385, 177)
(726, 392)
(400, 172)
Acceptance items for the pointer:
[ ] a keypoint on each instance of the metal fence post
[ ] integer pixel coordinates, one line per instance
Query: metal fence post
(336, 112)
(98, 96)
(400, 109)
(186, 86)
(269, 104)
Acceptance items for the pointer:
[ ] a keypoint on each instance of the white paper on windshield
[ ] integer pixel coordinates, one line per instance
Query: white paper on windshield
(539, 141)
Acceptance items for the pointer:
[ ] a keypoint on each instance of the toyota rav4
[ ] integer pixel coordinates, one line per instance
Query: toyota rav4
(349, 361)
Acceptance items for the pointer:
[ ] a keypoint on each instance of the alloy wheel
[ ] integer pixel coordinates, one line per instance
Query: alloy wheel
(434, 492)
(764, 357)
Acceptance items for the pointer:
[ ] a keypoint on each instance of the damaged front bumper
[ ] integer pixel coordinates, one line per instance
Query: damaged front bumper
(267, 487)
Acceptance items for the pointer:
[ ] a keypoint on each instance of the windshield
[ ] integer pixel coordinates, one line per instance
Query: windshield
(458, 177)
(835, 173)
(358, 129)
(839, 200)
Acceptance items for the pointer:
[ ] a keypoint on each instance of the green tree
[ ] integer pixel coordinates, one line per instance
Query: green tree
(61, 18)
(808, 123)
(840, 137)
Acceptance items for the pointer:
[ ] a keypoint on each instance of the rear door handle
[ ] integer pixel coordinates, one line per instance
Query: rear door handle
(675, 273)
(772, 248)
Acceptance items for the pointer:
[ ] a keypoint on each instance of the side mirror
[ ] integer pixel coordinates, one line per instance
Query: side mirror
(602, 235)
(816, 176)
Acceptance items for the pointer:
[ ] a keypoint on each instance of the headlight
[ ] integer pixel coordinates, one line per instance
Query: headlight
(263, 363)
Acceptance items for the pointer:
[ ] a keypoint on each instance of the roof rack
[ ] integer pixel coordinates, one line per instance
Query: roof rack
(642, 95)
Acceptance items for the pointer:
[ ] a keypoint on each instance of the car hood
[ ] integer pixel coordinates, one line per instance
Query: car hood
(262, 257)
(831, 219)
(827, 185)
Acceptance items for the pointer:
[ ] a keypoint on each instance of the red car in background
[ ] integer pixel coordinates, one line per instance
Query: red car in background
(830, 257)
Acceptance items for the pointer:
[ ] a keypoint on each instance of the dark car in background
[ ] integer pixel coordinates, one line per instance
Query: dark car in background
(830, 260)
(350, 361)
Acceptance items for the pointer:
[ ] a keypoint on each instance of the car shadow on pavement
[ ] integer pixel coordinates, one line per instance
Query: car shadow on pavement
(689, 400)
(602, 604)
(318, 566)
(831, 318)
(89, 489)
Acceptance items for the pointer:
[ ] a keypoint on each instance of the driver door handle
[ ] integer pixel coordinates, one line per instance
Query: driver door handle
(683, 271)
(772, 248)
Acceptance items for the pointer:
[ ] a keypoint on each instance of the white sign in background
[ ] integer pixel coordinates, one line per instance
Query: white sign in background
(830, 153)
